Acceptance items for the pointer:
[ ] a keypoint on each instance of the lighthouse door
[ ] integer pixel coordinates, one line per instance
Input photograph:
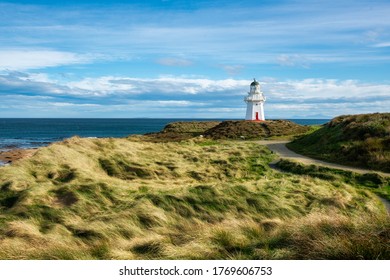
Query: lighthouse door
(257, 116)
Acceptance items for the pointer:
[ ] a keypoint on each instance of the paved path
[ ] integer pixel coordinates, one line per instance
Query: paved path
(386, 203)
(279, 147)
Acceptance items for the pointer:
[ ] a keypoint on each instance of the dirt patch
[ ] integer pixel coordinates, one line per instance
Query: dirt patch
(13, 155)
(66, 197)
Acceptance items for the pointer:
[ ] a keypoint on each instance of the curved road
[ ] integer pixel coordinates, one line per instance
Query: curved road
(279, 147)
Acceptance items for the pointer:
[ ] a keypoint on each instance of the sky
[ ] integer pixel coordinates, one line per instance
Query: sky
(193, 59)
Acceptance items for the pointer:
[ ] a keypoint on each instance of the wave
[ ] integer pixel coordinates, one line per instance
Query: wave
(7, 144)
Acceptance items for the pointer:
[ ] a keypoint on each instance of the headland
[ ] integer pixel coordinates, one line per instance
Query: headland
(195, 198)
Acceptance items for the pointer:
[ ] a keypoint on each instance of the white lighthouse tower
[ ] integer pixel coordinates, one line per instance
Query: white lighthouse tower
(255, 102)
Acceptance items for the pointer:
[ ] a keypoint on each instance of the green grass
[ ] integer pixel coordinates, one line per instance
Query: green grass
(195, 199)
(372, 181)
(355, 140)
(194, 127)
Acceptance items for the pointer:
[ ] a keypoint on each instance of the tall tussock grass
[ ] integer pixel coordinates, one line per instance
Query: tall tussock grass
(373, 181)
(356, 140)
(195, 199)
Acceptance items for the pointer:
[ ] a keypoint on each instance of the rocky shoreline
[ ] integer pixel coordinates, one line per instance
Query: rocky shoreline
(9, 156)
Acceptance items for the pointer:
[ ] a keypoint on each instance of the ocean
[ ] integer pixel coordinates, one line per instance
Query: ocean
(33, 133)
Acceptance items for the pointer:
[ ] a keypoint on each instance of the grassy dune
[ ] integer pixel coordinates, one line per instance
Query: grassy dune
(256, 130)
(233, 130)
(355, 140)
(195, 199)
(374, 182)
(178, 131)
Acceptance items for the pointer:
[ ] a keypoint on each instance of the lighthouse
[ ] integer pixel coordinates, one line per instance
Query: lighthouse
(255, 103)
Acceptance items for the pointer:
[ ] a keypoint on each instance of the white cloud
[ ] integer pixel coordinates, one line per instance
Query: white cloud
(18, 60)
(382, 45)
(169, 61)
(110, 85)
(232, 69)
(168, 96)
(68, 104)
(327, 89)
(225, 110)
(174, 103)
(293, 60)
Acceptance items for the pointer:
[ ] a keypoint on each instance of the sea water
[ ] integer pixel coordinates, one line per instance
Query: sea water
(33, 133)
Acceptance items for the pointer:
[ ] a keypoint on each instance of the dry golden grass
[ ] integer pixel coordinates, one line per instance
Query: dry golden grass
(196, 199)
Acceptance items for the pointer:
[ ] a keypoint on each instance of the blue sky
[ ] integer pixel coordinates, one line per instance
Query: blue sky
(193, 59)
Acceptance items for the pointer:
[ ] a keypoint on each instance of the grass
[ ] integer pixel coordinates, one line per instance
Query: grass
(194, 199)
(372, 181)
(194, 127)
(179, 131)
(237, 130)
(355, 140)
(255, 130)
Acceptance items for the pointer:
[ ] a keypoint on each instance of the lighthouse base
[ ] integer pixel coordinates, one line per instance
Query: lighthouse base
(256, 118)
(254, 111)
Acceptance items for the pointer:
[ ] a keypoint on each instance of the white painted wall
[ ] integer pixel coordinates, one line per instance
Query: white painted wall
(255, 104)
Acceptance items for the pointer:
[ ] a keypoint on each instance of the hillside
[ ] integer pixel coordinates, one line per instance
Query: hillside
(248, 130)
(194, 199)
(355, 140)
(254, 130)
(178, 131)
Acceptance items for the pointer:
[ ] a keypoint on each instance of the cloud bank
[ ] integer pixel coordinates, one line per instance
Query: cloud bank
(24, 59)
(186, 97)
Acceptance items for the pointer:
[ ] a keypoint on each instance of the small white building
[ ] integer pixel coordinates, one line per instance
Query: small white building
(255, 103)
